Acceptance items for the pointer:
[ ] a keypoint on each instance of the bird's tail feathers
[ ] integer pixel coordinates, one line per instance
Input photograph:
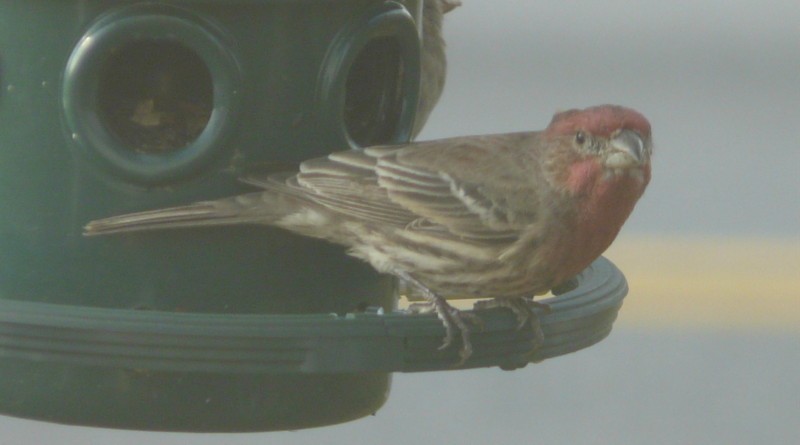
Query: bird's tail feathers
(252, 208)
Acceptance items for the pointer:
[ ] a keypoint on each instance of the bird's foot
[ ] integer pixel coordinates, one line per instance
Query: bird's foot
(452, 318)
(523, 308)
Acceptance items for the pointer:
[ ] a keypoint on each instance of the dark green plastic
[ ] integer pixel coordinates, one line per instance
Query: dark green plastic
(267, 82)
(272, 66)
(310, 344)
(203, 372)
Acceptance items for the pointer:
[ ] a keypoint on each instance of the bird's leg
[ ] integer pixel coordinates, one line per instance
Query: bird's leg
(522, 307)
(451, 317)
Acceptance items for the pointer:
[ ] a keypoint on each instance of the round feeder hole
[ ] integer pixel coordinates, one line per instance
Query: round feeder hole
(150, 92)
(369, 82)
(155, 96)
(374, 93)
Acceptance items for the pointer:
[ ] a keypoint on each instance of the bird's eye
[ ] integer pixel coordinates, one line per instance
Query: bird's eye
(580, 137)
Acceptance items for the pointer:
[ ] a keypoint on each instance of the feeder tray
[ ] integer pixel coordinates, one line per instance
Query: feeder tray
(47, 351)
(305, 344)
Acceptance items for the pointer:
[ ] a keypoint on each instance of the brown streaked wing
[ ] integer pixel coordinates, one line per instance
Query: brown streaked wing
(345, 182)
(476, 206)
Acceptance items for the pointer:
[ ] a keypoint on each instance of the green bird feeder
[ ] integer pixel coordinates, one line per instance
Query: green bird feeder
(111, 106)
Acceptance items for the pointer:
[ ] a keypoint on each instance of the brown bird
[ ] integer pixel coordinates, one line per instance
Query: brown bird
(433, 61)
(505, 216)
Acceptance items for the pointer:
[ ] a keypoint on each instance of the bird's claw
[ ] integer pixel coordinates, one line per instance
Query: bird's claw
(453, 319)
(523, 309)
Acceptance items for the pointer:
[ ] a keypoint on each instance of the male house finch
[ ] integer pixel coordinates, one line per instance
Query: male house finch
(433, 61)
(505, 216)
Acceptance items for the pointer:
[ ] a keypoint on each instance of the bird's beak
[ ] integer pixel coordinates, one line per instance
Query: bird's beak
(628, 149)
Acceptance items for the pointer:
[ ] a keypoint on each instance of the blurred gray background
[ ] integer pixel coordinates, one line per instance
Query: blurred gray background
(720, 82)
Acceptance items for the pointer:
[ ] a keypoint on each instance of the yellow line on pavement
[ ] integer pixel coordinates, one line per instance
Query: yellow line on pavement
(710, 282)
